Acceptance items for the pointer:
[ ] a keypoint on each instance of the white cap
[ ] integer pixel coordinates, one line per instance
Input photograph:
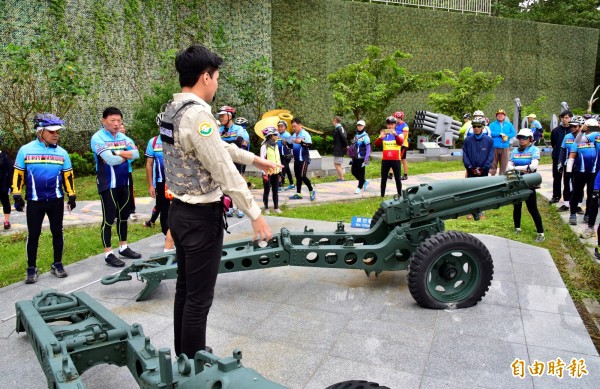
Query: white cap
(591, 122)
(360, 123)
(58, 127)
(478, 113)
(525, 132)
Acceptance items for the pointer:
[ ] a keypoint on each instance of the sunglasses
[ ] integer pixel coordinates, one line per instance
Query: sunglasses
(477, 126)
(522, 137)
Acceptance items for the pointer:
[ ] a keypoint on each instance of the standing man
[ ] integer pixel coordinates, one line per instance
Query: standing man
(301, 142)
(112, 152)
(478, 152)
(199, 169)
(155, 174)
(392, 143)
(285, 154)
(340, 142)
(402, 129)
(502, 131)
(132, 214)
(574, 127)
(536, 128)
(556, 138)
(45, 168)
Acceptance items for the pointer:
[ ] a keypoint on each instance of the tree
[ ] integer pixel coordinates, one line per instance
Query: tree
(253, 86)
(46, 76)
(470, 91)
(291, 87)
(365, 89)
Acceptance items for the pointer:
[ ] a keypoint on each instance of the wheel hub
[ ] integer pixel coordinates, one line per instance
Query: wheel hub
(448, 271)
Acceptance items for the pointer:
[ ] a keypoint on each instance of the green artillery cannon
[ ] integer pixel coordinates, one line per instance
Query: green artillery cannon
(446, 268)
(70, 333)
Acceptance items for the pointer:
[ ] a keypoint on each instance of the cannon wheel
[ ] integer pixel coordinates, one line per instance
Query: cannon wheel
(377, 216)
(356, 385)
(450, 269)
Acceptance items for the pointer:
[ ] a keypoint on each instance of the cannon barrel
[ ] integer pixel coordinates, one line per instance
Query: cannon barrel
(454, 198)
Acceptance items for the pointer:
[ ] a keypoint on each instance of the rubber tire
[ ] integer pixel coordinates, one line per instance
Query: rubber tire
(356, 385)
(377, 216)
(437, 245)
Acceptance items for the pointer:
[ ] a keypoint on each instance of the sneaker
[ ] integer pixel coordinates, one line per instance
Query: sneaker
(365, 185)
(596, 254)
(291, 186)
(129, 253)
(113, 261)
(580, 211)
(277, 210)
(586, 218)
(267, 212)
(313, 195)
(404, 177)
(133, 217)
(517, 231)
(539, 238)
(58, 270)
(230, 212)
(32, 275)
(296, 196)
(340, 180)
(573, 219)
(357, 191)
(554, 200)
(280, 189)
(240, 214)
(148, 223)
(563, 208)
(588, 233)
(7, 225)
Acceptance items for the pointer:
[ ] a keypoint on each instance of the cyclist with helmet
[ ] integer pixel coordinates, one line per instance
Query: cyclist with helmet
(132, 214)
(6, 173)
(591, 133)
(402, 129)
(112, 151)
(575, 124)
(155, 174)
(486, 129)
(525, 159)
(502, 131)
(536, 128)
(556, 138)
(392, 143)
(269, 151)
(45, 169)
(362, 146)
(478, 151)
(466, 124)
(285, 155)
(340, 143)
(583, 163)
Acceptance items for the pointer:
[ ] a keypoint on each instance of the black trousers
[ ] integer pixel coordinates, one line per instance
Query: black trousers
(385, 168)
(567, 186)
(300, 169)
(358, 171)
(161, 208)
(35, 212)
(272, 184)
(115, 204)
(5, 200)
(531, 204)
(131, 194)
(581, 180)
(286, 171)
(557, 177)
(198, 234)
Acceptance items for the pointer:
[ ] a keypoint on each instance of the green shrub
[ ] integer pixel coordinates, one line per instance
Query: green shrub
(83, 165)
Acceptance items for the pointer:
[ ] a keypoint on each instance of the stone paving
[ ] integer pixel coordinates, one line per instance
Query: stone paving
(310, 328)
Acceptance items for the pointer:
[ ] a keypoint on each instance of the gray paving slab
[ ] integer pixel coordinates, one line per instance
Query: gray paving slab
(547, 299)
(573, 377)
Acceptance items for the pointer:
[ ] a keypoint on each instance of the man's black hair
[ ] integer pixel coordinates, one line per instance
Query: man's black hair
(565, 113)
(112, 111)
(297, 120)
(193, 61)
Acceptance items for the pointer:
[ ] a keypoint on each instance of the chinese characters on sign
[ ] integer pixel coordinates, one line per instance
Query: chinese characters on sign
(575, 369)
(361, 222)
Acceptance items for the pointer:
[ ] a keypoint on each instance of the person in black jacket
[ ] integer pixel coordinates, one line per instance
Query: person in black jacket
(556, 139)
(340, 142)
(478, 151)
(6, 172)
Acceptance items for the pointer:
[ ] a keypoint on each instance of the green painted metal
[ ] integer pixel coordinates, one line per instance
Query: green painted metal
(453, 276)
(72, 332)
(401, 226)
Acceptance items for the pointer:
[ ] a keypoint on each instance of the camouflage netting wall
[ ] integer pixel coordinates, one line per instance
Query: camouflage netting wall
(123, 42)
(319, 36)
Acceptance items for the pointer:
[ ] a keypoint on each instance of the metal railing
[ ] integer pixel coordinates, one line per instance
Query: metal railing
(474, 6)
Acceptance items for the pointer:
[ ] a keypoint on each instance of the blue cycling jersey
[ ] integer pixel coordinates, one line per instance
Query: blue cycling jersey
(155, 150)
(586, 160)
(283, 137)
(362, 140)
(43, 169)
(229, 135)
(110, 177)
(524, 158)
(300, 152)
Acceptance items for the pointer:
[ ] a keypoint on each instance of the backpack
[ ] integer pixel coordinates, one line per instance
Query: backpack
(352, 150)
